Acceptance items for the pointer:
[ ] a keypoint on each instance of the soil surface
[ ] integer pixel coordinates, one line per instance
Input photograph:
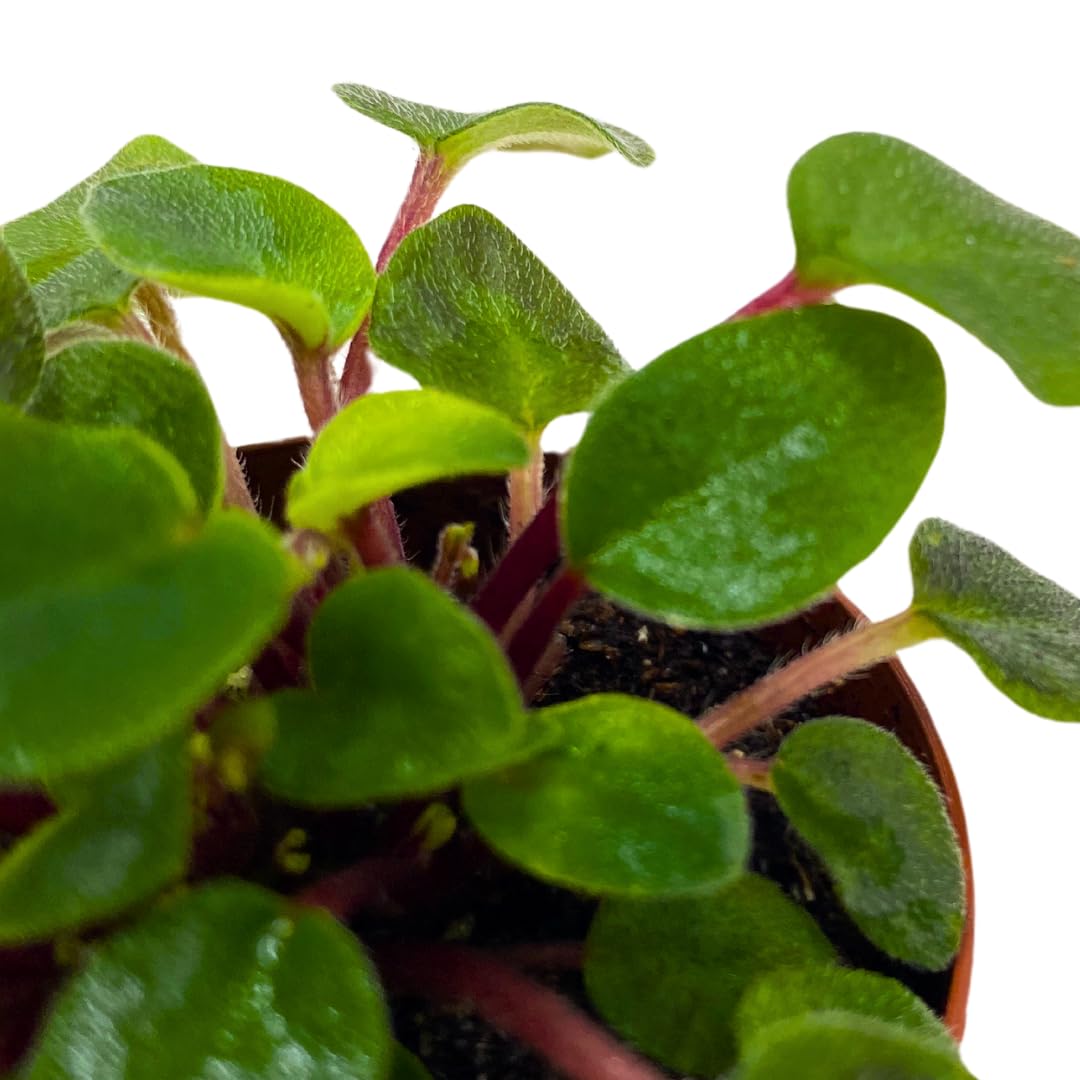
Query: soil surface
(610, 650)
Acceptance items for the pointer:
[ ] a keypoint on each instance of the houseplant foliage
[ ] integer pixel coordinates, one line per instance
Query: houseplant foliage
(165, 653)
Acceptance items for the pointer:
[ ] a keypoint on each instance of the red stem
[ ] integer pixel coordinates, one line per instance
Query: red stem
(375, 534)
(515, 1004)
(529, 644)
(545, 955)
(366, 885)
(429, 181)
(534, 552)
(786, 293)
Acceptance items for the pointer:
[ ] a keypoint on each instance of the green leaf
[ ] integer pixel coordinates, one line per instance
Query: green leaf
(875, 817)
(412, 695)
(1020, 628)
(99, 663)
(22, 347)
(406, 1066)
(240, 236)
(846, 1046)
(459, 136)
(667, 975)
(70, 277)
(382, 443)
(129, 384)
(871, 209)
(226, 981)
(783, 995)
(631, 799)
(465, 306)
(696, 493)
(120, 836)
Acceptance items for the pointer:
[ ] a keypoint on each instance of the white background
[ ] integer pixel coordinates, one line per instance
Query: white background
(729, 96)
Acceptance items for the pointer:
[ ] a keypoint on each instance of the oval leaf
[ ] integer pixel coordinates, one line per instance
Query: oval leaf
(458, 136)
(696, 493)
(120, 836)
(225, 981)
(668, 975)
(782, 995)
(240, 236)
(872, 813)
(129, 384)
(1020, 628)
(871, 209)
(382, 443)
(465, 306)
(631, 799)
(412, 695)
(22, 347)
(70, 277)
(845, 1046)
(93, 669)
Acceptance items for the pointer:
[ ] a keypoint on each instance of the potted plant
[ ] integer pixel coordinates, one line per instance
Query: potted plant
(257, 785)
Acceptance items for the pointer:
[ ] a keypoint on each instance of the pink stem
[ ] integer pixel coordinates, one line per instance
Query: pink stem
(534, 552)
(375, 534)
(545, 955)
(429, 181)
(368, 884)
(516, 1005)
(786, 293)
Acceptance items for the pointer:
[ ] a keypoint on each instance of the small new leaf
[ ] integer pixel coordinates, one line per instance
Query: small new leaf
(667, 975)
(869, 809)
(22, 348)
(412, 695)
(120, 836)
(871, 209)
(695, 494)
(629, 799)
(382, 443)
(843, 1045)
(780, 995)
(223, 981)
(465, 306)
(1020, 628)
(458, 136)
(70, 277)
(129, 384)
(239, 236)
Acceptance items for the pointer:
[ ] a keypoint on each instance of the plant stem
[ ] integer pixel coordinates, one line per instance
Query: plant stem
(515, 1004)
(315, 377)
(526, 490)
(166, 329)
(366, 885)
(429, 181)
(751, 772)
(374, 533)
(530, 643)
(788, 292)
(836, 659)
(453, 548)
(545, 955)
(534, 552)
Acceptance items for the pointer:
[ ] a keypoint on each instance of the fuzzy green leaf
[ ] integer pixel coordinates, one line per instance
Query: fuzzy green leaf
(120, 836)
(22, 347)
(1020, 628)
(239, 236)
(412, 695)
(872, 209)
(226, 981)
(846, 1046)
(780, 995)
(117, 617)
(129, 384)
(383, 443)
(630, 799)
(465, 306)
(875, 817)
(72, 279)
(695, 494)
(667, 975)
(459, 136)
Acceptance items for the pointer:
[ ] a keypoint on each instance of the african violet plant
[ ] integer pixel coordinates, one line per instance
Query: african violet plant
(162, 649)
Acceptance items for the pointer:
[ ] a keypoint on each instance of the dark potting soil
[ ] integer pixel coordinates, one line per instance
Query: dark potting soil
(610, 650)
